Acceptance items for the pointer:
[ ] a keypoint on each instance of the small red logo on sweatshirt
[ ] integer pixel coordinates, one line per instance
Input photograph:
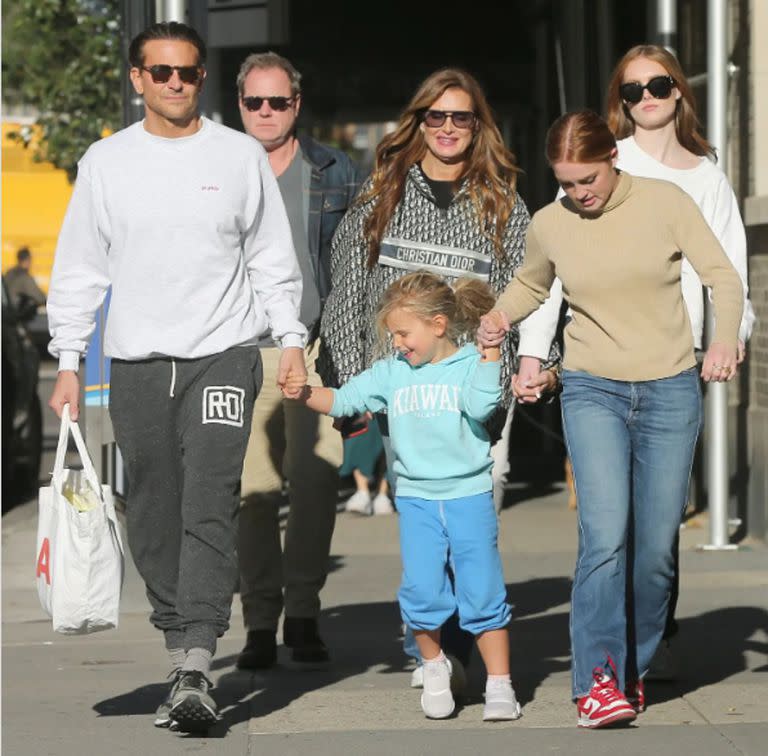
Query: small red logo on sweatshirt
(210, 188)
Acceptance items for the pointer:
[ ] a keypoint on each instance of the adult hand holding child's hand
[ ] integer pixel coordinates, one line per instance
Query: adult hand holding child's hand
(292, 372)
(493, 327)
(294, 386)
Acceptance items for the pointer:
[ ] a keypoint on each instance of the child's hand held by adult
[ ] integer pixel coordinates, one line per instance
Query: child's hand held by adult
(493, 327)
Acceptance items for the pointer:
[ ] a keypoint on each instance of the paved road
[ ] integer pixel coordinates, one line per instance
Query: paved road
(96, 694)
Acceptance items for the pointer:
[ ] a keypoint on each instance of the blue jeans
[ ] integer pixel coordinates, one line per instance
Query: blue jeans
(631, 445)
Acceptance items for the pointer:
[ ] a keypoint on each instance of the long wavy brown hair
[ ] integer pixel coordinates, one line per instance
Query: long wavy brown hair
(687, 126)
(490, 169)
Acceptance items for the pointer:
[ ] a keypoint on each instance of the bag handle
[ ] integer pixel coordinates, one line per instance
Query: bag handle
(69, 426)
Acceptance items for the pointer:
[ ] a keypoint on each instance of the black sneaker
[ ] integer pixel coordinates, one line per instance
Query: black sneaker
(301, 636)
(192, 708)
(163, 713)
(259, 651)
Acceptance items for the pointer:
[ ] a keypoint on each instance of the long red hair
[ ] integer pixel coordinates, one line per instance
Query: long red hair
(687, 126)
(579, 137)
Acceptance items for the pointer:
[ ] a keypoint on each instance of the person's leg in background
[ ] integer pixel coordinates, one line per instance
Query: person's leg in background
(360, 501)
(382, 504)
(664, 666)
(362, 449)
(312, 459)
(260, 551)
(500, 457)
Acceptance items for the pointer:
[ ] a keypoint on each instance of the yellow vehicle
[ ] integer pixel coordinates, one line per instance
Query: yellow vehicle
(35, 197)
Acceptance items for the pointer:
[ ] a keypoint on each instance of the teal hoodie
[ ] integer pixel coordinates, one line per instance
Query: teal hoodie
(436, 411)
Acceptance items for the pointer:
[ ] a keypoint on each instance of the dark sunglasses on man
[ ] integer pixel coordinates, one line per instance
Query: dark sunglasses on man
(461, 119)
(275, 103)
(659, 87)
(161, 73)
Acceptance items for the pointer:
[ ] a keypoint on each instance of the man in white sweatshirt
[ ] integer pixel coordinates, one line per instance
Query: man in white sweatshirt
(184, 220)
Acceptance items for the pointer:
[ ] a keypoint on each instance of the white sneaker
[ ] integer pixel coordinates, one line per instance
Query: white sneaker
(360, 503)
(458, 675)
(382, 504)
(500, 702)
(436, 699)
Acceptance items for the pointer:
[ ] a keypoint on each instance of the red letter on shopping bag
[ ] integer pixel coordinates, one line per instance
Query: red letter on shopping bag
(44, 560)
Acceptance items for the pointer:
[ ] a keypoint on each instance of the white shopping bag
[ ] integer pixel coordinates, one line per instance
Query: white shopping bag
(79, 550)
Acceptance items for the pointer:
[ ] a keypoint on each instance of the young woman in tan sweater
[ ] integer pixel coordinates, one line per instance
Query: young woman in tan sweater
(631, 399)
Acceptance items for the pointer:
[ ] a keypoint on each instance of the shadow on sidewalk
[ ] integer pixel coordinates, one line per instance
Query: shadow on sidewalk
(711, 647)
(367, 636)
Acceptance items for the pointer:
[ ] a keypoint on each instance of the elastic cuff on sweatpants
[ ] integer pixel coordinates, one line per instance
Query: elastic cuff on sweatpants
(174, 639)
(201, 636)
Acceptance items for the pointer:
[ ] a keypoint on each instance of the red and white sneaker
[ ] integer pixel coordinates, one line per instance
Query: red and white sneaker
(605, 704)
(635, 693)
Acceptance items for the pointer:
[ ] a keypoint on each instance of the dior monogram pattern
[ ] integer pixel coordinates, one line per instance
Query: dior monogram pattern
(348, 331)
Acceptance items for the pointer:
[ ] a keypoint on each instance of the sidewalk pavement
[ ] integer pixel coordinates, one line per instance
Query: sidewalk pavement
(97, 694)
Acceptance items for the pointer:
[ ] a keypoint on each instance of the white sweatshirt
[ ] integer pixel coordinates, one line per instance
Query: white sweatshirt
(708, 186)
(193, 237)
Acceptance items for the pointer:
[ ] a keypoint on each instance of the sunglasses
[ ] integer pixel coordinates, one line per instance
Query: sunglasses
(161, 73)
(461, 119)
(275, 103)
(659, 87)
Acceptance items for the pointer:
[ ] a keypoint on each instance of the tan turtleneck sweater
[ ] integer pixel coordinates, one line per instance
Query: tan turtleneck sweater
(620, 272)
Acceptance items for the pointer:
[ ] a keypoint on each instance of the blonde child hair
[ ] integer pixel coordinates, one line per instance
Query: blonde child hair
(427, 295)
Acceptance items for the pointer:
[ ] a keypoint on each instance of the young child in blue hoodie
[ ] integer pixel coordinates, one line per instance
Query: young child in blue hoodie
(436, 396)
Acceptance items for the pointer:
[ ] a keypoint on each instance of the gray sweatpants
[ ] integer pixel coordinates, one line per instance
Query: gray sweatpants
(182, 427)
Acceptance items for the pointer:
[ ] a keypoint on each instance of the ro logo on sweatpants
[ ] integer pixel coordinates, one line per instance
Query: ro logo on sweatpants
(223, 405)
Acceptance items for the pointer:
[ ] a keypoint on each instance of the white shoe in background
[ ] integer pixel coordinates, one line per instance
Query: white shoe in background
(360, 503)
(382, 504)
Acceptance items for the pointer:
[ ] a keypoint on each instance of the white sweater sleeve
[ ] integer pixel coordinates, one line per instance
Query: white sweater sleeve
(538, 329)
(80, 275)
(729, 229)
(272, 265)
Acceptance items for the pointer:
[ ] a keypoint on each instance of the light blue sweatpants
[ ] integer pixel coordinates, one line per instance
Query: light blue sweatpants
(463, 533)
